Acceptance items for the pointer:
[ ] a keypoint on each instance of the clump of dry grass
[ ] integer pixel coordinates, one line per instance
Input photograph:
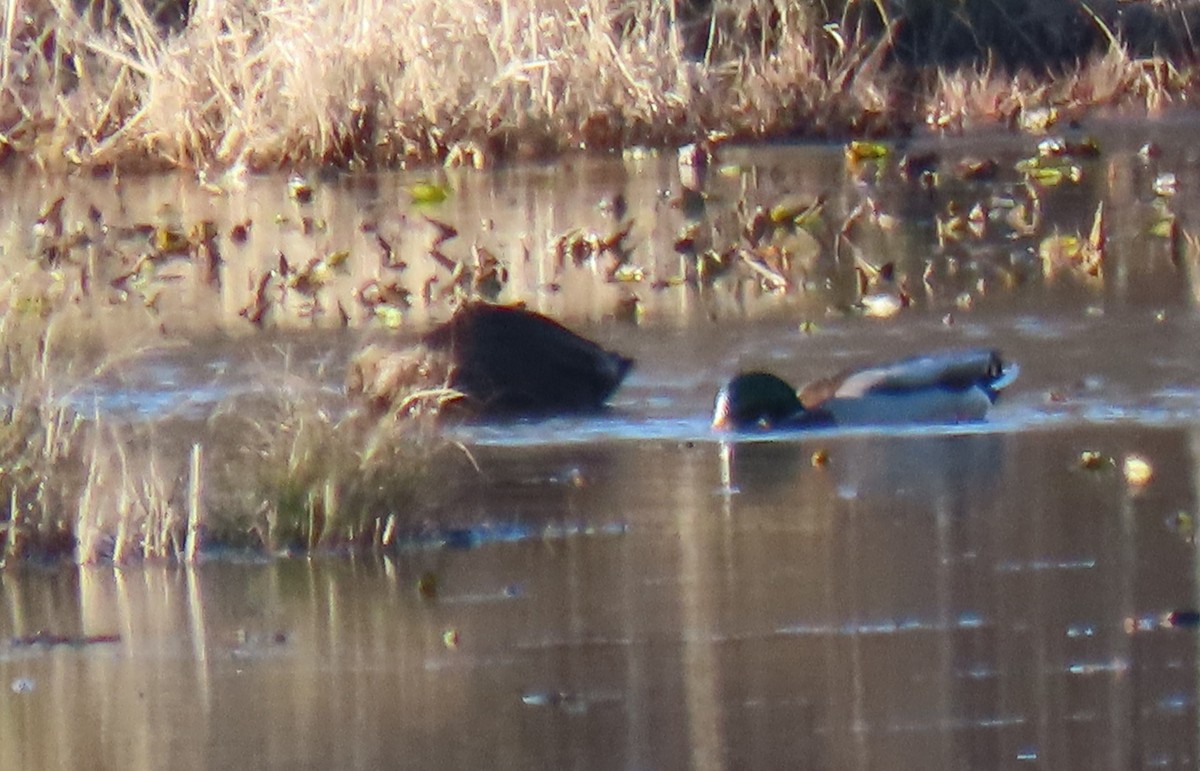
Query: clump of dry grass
(262, 83)
(41, 446)
(292, 466)
(290, 473)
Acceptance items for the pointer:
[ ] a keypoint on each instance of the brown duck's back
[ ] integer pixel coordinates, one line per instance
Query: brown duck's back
(510, 359)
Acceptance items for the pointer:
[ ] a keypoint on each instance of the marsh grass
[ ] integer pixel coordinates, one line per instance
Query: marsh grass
(290, 474)
(263, 83)
(289, 467)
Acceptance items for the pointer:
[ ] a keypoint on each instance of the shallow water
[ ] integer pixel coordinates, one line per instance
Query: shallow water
(630, 591)
(922, 601)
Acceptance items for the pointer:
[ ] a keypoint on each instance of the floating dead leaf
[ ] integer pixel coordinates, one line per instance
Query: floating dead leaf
(1138, 471)
(1037, 120)
(951, 229)
(628, 274)
(1061, 252)
(761, 263)
(577, 245)
(614, 242)
(977, 169)
(1094, 460)
(376, 293)
(490, 274)
(1053, 176)
(50, 218)
(310, 278)
(685, 242)
(1024, 219)
(757, 226)
(1052, 147)
(799, 210)
(710, 264)
(256, 311)
(203, 232)
(169, 240)
(389, 315)
(859, 150)
(1165, 184)
(299, 189)
(337, 259)
(1098, 237)
(445, 231)
(240, 232)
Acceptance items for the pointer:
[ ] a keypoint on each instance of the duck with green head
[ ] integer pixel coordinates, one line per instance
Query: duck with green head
(945, 387)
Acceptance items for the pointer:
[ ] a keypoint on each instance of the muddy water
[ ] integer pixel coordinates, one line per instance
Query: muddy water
(923, 601)
(629, 591)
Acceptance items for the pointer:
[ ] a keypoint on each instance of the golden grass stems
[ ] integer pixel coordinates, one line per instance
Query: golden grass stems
(288, 467)
(195, 504)
(263, 83)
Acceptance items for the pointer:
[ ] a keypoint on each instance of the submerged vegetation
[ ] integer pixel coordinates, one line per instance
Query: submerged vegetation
(261, 84)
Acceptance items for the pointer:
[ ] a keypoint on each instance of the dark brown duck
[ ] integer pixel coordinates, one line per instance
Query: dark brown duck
(501, 360)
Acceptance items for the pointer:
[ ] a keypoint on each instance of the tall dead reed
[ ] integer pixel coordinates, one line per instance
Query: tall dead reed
(263, 83)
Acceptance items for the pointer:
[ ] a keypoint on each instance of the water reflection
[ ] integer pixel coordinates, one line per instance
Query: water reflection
(918, 601)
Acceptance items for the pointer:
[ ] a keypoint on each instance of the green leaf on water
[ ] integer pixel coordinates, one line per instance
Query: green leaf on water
(427, 192)
(861, 151)
(1163, 228)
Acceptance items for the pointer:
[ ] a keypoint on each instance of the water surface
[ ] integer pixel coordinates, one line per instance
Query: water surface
(631, 591)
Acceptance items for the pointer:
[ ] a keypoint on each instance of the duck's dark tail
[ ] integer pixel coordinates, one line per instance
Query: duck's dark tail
(1001, 375)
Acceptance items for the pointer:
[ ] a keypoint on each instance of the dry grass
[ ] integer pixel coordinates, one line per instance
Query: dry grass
(291, 467)
(262, 83)
(290, 473)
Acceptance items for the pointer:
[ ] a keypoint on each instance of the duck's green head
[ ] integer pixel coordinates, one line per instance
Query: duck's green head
(755, 400)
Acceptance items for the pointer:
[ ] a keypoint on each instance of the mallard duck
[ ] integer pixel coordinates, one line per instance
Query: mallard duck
(493, 360)
(943, 387)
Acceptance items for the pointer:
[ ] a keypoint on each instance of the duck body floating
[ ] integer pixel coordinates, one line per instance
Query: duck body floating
(506, 359)
(492, 360)
(953, 386)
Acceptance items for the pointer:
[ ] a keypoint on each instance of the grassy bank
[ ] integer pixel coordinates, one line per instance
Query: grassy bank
(265, 84)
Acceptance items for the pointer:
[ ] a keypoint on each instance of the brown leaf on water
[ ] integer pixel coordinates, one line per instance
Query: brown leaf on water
(441, 258)
(977, 169)
(389, 259)
(1094, 460)
(240, 232)
(256, 310)
(444, 231)
(615, 241)
(51, 216)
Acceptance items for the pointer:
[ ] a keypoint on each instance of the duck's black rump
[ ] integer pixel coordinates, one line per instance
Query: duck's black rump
(508, 360)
